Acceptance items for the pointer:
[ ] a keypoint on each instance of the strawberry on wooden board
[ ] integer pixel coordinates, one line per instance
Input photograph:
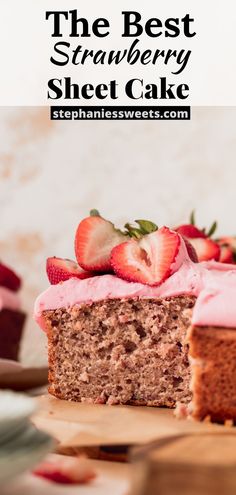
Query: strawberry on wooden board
(206, 249)
(59, 270)
(94, 240)
(9, 279)
(147, 260)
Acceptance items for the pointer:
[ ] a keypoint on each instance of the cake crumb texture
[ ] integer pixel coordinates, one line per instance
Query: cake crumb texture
(130, 351)
(213, 363)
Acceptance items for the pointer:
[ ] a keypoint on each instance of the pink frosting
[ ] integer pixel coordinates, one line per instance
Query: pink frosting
(9, 300)
(213, 283)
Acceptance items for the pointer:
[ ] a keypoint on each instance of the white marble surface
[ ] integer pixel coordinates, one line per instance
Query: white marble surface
(51, 174)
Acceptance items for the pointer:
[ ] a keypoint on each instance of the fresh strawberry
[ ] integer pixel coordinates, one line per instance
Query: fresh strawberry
(206, 249)
(9, 279)
(227, 249)
(55, 476)
(66, 471)
(59, 270)
(190, 231)
(230, 242)
(95, 238)
(147, 260)
(226, 254)
(191, 251)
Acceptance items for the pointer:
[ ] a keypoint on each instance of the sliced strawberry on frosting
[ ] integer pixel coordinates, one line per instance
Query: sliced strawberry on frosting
(149, 260)
(59, 270)
(226, 254)
(9, 279)
(191, 250)
(190, 231)
(95, 238)
(227, 249)
(229, 240)
(206, 249)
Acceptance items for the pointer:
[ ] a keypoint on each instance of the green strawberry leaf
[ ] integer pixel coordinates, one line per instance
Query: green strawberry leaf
(146, 226)
(133, 231)
(94, 213)
(192, 218)
(212, 229)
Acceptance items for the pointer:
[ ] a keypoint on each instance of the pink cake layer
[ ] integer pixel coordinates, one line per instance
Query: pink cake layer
(9, 300)
(213, 283)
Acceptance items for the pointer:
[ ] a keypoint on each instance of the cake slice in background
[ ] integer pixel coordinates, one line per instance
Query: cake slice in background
(12, 318)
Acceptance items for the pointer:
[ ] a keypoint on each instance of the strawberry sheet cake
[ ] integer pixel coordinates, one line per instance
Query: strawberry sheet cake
(145, 317)
(12, 317)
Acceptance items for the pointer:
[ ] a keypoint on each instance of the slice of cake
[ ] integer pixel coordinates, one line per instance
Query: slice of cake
(12, 317)
(123, 348)
(123, 337)
(212, 340)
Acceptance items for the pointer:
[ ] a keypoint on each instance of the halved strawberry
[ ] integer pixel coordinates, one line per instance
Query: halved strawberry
(191, 250)
(59, 270)
(190, 231)
(226, 254)
(95, 238)
(148, 260)
(228, 240)
(9, 279)
(206, 249)
(228, 249)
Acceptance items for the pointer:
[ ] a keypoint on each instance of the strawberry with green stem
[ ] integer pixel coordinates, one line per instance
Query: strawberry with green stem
(200, 239)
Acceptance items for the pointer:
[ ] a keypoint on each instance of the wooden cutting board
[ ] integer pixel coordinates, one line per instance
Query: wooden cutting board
(202, 464)
(168, 456)
(90, 425)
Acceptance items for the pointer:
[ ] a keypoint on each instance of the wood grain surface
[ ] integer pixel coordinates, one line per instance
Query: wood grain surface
(195, 464)
(168, 456)
(79, 424)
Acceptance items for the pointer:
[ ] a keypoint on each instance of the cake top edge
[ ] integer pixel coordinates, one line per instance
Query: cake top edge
(144, 261)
